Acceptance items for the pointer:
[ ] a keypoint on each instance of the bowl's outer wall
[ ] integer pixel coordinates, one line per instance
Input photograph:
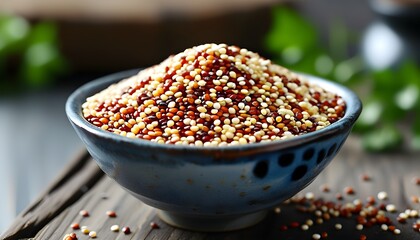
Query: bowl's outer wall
(195, 181)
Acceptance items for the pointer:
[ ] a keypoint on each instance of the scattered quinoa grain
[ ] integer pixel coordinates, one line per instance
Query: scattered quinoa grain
(115, 228)
(371, 200)
(324, 188)
(416, 180)
(111, 214)
(349, 190)
(390, 208)
(92, 234)
(85, 230)
(382, 195)
(154, 225)
(84, 213)
(75, 226)
(70, 236)
(365, 177)
(413, 213)
(126, 230)
(310, 195)
(416, 226)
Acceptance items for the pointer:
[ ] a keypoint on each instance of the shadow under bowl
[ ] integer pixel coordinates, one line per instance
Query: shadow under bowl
(212, 188)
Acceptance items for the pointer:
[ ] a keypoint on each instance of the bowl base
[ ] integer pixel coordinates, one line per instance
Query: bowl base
(211, 224)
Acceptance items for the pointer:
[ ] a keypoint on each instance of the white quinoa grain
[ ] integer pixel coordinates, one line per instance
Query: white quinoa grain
(382, 195)
(316, 236)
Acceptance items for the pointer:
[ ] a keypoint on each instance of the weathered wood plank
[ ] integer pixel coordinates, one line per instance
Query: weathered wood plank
(392, 173)
(81, 174)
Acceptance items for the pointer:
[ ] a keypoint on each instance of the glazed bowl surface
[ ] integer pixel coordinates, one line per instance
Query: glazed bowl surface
(212, 188)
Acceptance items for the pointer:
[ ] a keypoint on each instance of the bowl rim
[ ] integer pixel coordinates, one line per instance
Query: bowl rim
(78, 97)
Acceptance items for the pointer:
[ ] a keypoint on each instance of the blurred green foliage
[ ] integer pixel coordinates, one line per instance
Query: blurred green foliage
(390, 96)
(29, 54)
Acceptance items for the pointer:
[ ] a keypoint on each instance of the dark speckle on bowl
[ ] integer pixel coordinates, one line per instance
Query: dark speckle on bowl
(299, 172)
(261, 169)
(321, 156)
(308, 154)
(286, 159)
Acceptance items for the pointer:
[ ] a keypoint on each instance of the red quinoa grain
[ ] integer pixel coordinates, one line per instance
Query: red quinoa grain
(349, 190)
(213, 95)
(294, 224)
(84, 213)
(75, 226)
(154, 225)
(126, 230)
(324, 188)
(366, 178)
(71, 236)
(111, 214)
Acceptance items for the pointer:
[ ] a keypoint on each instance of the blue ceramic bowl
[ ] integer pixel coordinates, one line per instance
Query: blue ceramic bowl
(211, 188)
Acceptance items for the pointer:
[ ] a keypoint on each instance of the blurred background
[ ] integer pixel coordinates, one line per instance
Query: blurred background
(48, 49)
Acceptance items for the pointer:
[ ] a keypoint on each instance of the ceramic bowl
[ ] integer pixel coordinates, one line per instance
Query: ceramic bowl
(212, 188)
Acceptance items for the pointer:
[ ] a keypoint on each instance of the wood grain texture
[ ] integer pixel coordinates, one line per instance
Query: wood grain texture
(73, 182)
(392, 173)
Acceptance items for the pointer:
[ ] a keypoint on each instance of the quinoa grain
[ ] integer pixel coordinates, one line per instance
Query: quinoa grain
(217, 94)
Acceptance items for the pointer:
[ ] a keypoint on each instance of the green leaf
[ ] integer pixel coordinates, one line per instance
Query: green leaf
(43, 32)
(409, 73)
(289, 29)
(41, 62)
(407, 98)
(371, 114)
(13, 31)
(382, 138)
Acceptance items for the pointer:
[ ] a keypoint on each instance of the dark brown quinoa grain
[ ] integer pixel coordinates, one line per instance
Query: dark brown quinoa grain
(154, 225)
(213, 95)
(84, 213)
(126, 230)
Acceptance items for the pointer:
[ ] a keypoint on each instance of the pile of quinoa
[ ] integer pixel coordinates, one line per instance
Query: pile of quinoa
(213, 95)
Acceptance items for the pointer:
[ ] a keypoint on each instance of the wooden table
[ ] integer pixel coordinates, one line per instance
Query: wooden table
(83, 186)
